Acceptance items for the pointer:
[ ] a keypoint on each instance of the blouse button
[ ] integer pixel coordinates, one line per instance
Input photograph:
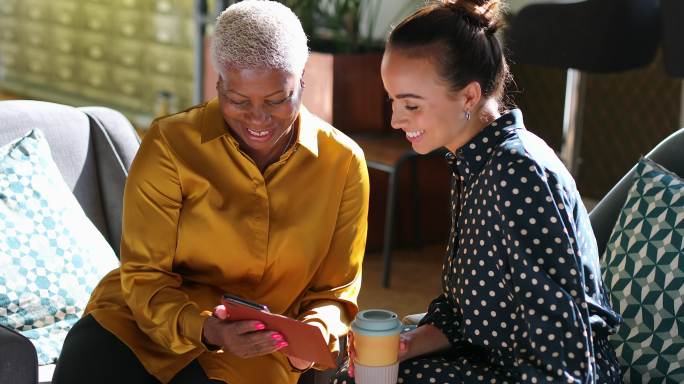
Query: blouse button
(450, 157)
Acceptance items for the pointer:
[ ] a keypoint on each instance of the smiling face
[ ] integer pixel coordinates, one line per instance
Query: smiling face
(424, 106)
(260, 105)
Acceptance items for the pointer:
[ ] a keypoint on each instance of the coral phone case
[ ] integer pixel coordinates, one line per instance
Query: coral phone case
(305, 341)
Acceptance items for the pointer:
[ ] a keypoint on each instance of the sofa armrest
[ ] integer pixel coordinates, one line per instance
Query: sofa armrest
(667, 153)
(413, 319)
(18, 358)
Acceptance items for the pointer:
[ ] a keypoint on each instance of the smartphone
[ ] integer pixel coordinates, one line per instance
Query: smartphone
(305, 340)
(241, 301)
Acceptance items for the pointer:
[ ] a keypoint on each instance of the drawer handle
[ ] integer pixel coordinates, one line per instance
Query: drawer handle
(65, 46)
(163, 67)
(128, 60)
(65, 74)
(65, 18)
(95, 52)
(36, 67)
(163, 6)
(95, 81)
(94, 24)
(128, 89)
(35, 13)
(128, 29)
(163, 36)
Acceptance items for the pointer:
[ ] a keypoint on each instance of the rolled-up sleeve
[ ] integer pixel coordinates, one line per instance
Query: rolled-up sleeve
(152, 203)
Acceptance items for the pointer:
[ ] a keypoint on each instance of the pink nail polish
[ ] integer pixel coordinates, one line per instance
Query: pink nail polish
(282, 344)
(276, 336)
(259, 326)
(220, 313)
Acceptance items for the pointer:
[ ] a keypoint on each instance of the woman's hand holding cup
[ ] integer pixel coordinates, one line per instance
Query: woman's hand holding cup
(375, 347)
(403, 354)
(248, 338)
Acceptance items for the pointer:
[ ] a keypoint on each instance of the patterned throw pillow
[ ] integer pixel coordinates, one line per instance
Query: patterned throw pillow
(51, 255)
(645, 273)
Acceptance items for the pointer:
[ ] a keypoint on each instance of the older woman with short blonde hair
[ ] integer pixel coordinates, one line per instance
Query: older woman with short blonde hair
(247, 194)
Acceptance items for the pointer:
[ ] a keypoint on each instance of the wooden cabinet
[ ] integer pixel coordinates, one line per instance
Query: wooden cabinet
(118, 53)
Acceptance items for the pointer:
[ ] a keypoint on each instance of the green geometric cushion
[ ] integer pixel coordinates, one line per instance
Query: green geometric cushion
(644, 271)
(51, 255)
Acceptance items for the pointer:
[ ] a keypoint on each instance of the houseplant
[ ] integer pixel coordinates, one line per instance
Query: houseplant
(343, 73)
(336, 26)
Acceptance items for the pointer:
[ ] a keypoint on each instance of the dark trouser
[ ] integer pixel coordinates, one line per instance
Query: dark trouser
(91, 354)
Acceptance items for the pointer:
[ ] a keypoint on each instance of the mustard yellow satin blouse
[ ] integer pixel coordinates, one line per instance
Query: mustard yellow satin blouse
(200, 219)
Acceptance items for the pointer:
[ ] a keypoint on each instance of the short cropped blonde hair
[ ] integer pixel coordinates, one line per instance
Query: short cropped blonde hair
(259, 34)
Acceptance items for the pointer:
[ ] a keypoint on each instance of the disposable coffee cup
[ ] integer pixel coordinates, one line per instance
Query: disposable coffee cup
(376, 343)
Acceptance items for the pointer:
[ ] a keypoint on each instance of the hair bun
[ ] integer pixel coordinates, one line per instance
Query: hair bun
(485, 13)
(475, 2)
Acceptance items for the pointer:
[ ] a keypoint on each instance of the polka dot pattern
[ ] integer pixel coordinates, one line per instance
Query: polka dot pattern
(522, 298)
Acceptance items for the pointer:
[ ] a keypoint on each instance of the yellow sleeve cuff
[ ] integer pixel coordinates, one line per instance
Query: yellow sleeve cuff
(191, 324)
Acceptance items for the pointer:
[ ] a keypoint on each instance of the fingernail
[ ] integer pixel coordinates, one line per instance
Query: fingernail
(282, 344)
(276, 336)
(259, 326)
(221, 312)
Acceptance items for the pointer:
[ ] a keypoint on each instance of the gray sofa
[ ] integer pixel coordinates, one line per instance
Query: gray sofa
(93, 148)
(669, 153)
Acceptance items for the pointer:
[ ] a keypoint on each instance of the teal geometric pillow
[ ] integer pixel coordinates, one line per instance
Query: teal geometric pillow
(51, 255)
(644, 271)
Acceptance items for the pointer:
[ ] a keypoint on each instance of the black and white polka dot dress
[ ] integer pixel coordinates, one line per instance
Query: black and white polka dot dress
(523, 301)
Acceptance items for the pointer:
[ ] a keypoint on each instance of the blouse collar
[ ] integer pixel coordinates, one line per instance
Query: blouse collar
(471, 157)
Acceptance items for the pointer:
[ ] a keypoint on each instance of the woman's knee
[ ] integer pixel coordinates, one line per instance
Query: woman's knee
(91, 352)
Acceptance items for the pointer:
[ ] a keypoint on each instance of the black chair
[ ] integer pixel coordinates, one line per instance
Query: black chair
(597, 36)
(673, 43)
(673, 36)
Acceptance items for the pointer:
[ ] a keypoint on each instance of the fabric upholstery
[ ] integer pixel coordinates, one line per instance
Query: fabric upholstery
(83, 149)
(115, 148)
(70, 133)
(644, 271)
(668, 153)
(52, 255)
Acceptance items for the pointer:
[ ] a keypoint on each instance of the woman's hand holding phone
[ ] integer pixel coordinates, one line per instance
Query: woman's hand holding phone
(247, 338)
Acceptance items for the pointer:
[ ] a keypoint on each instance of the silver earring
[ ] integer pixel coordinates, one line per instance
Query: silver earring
(466, 114)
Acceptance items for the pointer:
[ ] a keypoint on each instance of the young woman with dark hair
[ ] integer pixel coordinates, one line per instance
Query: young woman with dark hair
(522, 300)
